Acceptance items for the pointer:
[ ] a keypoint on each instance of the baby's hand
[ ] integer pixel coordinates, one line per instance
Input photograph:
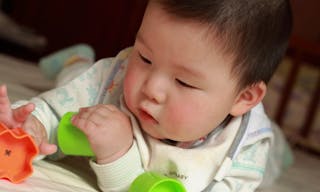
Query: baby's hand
(108, 130)
(21, 117)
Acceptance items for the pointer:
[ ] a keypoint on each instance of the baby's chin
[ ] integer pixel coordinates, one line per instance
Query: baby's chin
(159, 136)
(153, 135)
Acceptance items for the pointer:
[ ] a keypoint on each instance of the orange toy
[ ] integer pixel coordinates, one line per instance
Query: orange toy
(17, 150)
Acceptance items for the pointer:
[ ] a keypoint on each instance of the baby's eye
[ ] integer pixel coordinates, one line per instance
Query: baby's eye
(184, 84)
(144, 59)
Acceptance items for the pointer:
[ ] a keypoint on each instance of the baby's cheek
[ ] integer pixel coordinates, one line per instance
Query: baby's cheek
(181, 116)
(128, 89)
(190, 119)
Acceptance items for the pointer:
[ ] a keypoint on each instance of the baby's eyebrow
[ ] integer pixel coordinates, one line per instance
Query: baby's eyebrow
(141, 40)
(189, 71)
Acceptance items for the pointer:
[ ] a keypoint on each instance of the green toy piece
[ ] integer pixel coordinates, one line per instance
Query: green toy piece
(155, 182)
(71, 140)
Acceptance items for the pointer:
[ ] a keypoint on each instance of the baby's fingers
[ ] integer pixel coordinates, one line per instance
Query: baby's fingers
(21, 113)
(4, 100)
(46, 148)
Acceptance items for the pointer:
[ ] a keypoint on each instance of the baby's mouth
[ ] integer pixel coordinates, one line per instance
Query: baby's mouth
(145, 116)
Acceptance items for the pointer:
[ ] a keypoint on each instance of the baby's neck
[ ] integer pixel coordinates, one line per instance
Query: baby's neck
(186, 144)
(200, 141)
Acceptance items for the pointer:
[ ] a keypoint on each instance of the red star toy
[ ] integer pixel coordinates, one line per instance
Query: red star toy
(17, 150)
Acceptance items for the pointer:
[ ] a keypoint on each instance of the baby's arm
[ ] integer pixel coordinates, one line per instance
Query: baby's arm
(110, 134)
(22, 117)
(119, 175)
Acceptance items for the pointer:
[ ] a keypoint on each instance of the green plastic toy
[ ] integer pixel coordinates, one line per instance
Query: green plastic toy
(155, 182)
(71, 140)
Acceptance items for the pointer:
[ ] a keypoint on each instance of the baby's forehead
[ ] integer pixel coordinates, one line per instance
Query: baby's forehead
(192, 35)
(213, 33)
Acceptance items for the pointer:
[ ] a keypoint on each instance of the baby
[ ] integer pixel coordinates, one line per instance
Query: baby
(184, 101)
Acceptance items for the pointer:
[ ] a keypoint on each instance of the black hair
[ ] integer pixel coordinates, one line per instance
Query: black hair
(255, 32)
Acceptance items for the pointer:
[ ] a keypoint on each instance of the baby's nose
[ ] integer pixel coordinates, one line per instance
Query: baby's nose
(155, 90)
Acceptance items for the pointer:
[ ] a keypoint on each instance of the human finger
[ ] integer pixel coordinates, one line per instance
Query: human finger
(5, 104)
(21, 113)
(46, 148)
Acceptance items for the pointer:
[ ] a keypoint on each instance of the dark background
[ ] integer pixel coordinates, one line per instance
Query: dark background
(109, 25)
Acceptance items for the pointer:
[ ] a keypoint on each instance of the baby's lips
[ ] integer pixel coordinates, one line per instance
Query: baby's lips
(17, 150)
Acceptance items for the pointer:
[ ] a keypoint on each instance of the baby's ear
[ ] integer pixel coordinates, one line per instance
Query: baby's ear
(248, 98)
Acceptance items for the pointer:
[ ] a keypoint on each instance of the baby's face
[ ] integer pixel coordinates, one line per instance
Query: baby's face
(177, 85)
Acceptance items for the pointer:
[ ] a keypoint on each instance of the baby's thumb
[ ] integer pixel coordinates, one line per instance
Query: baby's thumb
(46, 148)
